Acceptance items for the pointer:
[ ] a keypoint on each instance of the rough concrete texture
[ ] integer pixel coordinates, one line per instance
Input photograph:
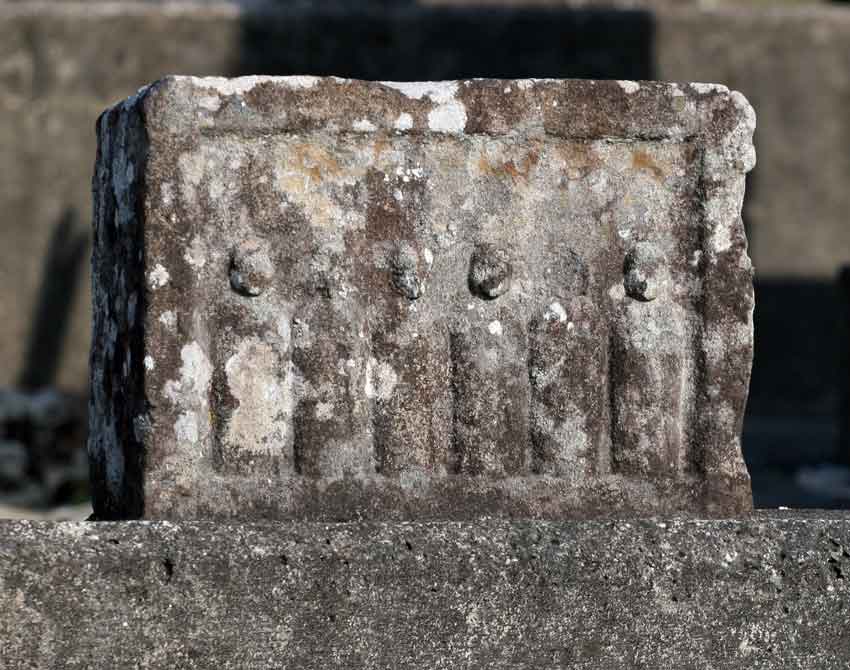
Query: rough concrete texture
(758, 593)
(328, 298)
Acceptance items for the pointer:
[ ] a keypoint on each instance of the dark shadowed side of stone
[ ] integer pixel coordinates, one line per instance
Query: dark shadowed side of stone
(769, 591)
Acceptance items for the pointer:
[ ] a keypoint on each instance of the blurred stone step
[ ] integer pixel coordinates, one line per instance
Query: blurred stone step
(64, 513)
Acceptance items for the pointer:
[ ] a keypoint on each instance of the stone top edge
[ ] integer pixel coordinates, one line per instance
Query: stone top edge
(442, 88)
(419, 89)
(568, 108)
(770, 516)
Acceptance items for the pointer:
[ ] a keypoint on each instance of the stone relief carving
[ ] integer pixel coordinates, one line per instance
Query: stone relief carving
(437, 300)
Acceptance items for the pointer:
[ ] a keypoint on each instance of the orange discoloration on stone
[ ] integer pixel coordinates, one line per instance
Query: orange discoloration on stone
(641, 160)
(516, 170)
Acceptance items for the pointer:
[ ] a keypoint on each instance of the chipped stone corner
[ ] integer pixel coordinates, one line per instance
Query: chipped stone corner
(728, 123)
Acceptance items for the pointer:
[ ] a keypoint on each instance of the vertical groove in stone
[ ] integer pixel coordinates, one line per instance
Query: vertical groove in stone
(610, 390)
(412, 404)
(252, 382)
(646, 391)
(379, 456)
(221, 406)
(455, 456)
(691, 382)
(491, 409)
(332, 424)
(297, 453)
(531, 374)
(567, 364)
(700, 443)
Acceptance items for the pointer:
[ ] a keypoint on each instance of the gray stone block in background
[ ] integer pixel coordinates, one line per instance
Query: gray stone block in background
(327, 298)
(757, 594)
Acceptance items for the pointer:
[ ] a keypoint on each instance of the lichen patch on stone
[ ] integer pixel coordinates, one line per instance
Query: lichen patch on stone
(629, 86)
(404, 122)
(158, 277)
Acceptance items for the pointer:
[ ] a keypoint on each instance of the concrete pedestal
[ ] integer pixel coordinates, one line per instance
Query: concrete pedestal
(768, 591)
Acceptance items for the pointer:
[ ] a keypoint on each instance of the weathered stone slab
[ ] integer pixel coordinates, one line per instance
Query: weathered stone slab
(326, 298)
(757, 593)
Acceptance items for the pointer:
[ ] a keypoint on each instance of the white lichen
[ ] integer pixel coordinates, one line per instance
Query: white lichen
(158, 277)
(364, 126)
(555, 312)
(449, 117)
(167, 194)
(629, 86)
(186, 427)
(168, 319)
(195, 375)
(448, 114)
(241, 85)
(195, 254)
(404, 122)
(261, 420)
(438, 91)
(324, 411)
(704, 88)
(381, 380)
(284, 331)
(211, 103)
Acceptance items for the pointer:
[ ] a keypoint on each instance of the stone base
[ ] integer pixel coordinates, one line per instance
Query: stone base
(410, 497)
(767, 591)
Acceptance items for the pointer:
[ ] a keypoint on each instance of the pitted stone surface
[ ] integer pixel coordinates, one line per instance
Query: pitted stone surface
(757, 593)
(420, 300)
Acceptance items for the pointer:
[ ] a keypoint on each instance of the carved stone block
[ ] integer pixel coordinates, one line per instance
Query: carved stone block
(335, 299)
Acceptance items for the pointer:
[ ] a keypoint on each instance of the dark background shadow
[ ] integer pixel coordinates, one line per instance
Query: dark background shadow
(47, 424)
(395, 41)
(798, 388)
(62, 270)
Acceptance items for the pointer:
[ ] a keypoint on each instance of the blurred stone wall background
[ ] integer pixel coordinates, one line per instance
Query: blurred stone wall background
(63, 62)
